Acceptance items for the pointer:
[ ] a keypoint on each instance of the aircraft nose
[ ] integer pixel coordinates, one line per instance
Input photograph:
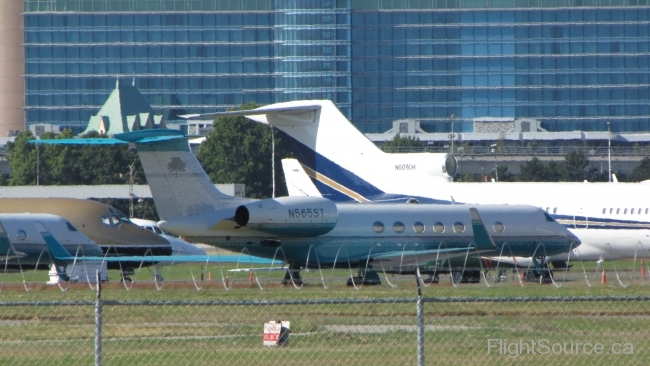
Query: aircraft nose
(574, 238)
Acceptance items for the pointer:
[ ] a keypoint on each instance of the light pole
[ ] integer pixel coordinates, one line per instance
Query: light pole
(609, 152)
(451, 136)
(496, 167)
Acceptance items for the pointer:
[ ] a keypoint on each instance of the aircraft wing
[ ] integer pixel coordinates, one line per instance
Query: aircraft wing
(402, 261)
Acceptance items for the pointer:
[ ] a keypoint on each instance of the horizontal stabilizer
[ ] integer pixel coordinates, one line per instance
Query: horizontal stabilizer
(256, 112)
(482, 238)
(93, 141)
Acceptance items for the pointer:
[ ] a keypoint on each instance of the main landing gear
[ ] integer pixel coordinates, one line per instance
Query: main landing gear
(292, 276)
(366, 276)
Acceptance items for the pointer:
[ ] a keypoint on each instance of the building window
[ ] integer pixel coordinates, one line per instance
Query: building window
(438, 227)
(378, 227)
(611, 210)
(625, 212)
(618, 211)
(604, 210)
(418, 227)
(632, 211)
(398, 227)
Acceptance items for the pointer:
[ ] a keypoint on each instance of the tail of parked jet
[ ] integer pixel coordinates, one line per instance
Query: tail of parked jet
(330, 148)
(178, 183)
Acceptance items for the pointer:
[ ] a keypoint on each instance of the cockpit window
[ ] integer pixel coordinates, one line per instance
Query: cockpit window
(115, 220)
(548, 217)
(125, 219)
(157, 231)
(106, 220)
(70, 227)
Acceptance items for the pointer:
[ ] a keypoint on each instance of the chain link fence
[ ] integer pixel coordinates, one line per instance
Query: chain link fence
(333, 326)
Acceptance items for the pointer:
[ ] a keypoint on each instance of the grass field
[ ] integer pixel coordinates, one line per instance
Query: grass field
(340, 326)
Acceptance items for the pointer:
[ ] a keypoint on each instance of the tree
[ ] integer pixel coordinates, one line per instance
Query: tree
(238, 150)
(641, 172)
(406, 141)
(532, 171)
(574, 166)
(504, 174)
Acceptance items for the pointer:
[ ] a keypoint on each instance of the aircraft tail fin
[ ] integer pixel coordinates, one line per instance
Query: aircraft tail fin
(59, 253)
(7, 250)
(298, 182)
(178, 183)
(482, 237)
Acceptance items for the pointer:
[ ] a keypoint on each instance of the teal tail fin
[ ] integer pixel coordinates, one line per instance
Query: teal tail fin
(482, 238)
(59, 253)
(7, 250)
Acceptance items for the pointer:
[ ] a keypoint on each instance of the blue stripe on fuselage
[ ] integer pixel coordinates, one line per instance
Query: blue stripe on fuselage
(347, 179)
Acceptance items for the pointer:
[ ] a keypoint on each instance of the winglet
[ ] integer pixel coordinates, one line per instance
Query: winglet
(482, 238)
(56, 249)
(7, 250)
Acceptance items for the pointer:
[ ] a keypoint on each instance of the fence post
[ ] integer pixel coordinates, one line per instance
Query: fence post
(98, 322)
(420, 315)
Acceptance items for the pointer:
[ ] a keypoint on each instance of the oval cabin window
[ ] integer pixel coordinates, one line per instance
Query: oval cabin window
(439, 228)
(459, 227)
(378, 227)
(498, 227)
(398, 227)
(418, 227)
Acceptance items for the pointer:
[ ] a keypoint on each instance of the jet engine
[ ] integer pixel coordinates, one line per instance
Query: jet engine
(289, 216)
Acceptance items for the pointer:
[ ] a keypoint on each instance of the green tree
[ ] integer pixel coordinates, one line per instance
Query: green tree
(573, 169)
(504, 174)
(641, 172)
(400, 141)
(22, 160)
(532, 171)
(238, 150)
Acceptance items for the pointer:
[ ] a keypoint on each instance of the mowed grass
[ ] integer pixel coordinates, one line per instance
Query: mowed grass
(335, 332)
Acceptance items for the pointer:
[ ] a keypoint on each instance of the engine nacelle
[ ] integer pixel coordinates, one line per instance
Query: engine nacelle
(289, 216)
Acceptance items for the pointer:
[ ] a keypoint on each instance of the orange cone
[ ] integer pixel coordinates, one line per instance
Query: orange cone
(642, 270)
(209, 276)
(603, 278)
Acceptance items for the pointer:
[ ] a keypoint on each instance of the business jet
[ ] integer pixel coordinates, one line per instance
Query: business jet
(105, 226)
(179, 246)
(612, 220)
(310, 232)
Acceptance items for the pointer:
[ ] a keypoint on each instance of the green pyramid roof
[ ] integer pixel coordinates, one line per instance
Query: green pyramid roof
(125, 110)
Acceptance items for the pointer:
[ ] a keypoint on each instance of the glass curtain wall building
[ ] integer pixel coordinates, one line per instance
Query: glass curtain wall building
(572, 64)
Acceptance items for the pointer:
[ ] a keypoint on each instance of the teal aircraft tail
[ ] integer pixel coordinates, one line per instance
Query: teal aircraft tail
(6, 249)
(178, 183)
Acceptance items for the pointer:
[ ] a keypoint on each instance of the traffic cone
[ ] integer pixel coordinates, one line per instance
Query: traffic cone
(209, 276)
(603, 278)
(642, 270)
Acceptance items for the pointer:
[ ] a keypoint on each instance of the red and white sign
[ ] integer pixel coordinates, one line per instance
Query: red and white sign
(272, 333)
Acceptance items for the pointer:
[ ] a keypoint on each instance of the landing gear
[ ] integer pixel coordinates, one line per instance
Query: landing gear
(365, 277)
(541, 273)
(292, 276)
(502, 275)
(126, 272)
(468, 276)
(433, 278)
